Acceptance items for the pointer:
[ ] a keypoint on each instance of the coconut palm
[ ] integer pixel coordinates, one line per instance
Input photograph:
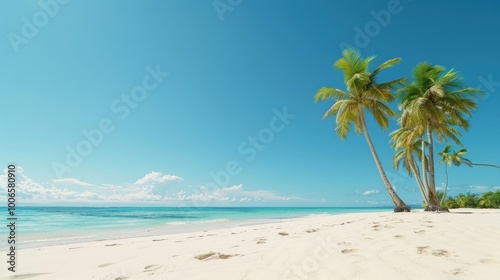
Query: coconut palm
(407, 145)
(435, 104)
(364, 95)
(457, 159)
(489, 200)
(448, 158)
(468, 200)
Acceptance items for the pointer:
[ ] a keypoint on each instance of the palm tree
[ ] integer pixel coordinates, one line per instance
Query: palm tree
(489, 200)
(457, 159)
(450, 202)
(363, 95)
(435, 104)
(448, 158)
(407, 144)
(468, 200)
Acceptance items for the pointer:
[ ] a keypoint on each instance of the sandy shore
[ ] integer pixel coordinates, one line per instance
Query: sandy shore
(464, 244)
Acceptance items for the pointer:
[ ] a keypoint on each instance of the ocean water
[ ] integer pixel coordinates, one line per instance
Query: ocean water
(45, 226)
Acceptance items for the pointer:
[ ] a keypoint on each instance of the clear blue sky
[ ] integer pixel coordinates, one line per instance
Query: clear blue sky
(69, 67)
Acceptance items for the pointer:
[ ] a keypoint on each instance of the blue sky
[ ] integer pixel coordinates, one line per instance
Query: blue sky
(178, 90)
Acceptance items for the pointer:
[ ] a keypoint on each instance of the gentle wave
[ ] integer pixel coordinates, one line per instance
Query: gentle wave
(56, 239)
(179, 223)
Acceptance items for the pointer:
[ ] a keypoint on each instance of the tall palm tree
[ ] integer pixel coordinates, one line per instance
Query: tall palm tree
(363, 95)
(436, 103)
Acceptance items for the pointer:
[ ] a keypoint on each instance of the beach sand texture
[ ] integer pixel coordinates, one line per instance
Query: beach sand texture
(464, 244)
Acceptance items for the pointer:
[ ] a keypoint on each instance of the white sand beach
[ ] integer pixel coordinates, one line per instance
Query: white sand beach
(464, 244)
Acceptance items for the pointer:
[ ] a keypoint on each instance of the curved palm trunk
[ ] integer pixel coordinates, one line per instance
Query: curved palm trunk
(433, 200)
(400, 205)
(445, 185)
(424, 173)
(421, 186)
(484, 164)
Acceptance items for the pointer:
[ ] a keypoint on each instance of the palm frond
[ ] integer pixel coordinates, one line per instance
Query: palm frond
(326, 93)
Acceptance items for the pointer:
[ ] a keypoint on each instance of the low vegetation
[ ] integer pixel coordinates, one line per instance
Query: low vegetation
(472, 200)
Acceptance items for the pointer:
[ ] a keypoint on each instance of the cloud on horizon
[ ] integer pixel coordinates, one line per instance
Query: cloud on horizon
(149, 188)
(71, 181)
(366, 192)
(157, 177)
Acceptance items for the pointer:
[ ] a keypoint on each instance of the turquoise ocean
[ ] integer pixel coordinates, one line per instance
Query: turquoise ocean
(45, 226)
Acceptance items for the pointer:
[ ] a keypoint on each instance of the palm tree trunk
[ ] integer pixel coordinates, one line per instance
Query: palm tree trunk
(445, 185)
(432, 181)
(421, 187)
(484, 164)
(400, 205)
(424, 172)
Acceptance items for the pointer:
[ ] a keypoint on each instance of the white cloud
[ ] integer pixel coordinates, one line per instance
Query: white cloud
(235, 188)
(90, 195)
(157, 177)
(473, 188)
(146, 189)
(71, 181)
(484, 188)
(237, 193)
(370, 192)
(146, 193)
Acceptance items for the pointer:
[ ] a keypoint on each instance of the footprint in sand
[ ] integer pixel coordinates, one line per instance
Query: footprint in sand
(344, 243)
(399, 236)
(283, 233)
(261, 241)
(380, 227)
(312, 230)
(26, 276)
(376, 227)
(419, 231)
(204, 256)
(350, 251)
(426, 250)
(152, 267)
(163, 239)
(104, 265)
(212, 256)
(457, 271)
(440, 253)
(114, 244)
(490, 261)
